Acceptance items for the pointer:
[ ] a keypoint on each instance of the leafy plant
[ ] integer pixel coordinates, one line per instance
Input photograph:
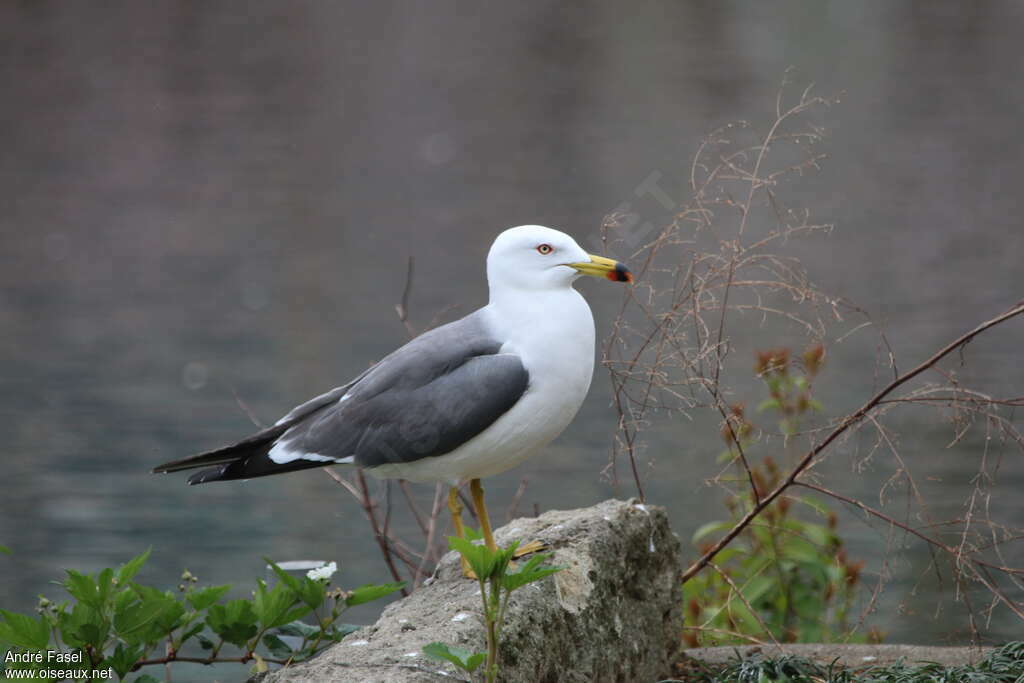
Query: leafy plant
(116, 625)
(498, 579)
(787, 577)
(464, 659)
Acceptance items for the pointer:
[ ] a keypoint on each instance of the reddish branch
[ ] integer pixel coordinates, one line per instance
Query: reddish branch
(382, 541)
(203, 660)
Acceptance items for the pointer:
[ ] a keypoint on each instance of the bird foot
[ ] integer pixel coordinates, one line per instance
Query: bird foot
(530, 548)
(467, 571)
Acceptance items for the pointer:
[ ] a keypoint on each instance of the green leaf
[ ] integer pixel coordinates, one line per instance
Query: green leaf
(83, 626)
(503, 557)
(298, 629)
(309, 591)
(201, 599)
(195, 629)
(130, 568)
(132, 618)
(82, 587)
(756, 564)
(817, 533)
(757, 587)
(710, 528)
(750, 624)
(146, 678)
(23, 631)
(122, 660)
(151, 617)
(276, 606)
(123, 599)
(799, 550)
(339, 631)
(480, 558)
(105, 587)
(235, 621)
(727, 554)
(768, 404)
(277, 647)
(313, 593)
(464, 659)
(815, 505)
(284, 576)
(529, 572)
(475, 660)
(5, 550)
(371, 592)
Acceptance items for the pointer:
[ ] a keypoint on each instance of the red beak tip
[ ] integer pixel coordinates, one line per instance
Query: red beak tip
(620, 274)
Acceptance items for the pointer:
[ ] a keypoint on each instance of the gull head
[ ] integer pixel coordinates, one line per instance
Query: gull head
(532, 257)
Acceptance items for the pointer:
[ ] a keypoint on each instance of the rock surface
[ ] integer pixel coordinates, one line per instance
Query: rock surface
(613, 613)
(853, 656)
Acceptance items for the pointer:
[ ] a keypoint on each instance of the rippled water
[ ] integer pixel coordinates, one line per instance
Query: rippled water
(201, 202)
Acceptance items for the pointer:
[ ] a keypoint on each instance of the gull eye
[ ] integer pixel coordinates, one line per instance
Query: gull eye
(545, 249)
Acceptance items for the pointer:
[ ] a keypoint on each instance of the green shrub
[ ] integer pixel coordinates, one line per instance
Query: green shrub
(116, 625)
(786, 577)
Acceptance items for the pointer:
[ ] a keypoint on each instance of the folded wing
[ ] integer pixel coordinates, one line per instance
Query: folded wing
(424, 400)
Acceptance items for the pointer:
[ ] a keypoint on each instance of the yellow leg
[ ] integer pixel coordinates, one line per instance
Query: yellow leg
(477, 492)
(455, 507)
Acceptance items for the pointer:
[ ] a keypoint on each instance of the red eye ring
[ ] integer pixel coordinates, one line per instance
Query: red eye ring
(545, 249)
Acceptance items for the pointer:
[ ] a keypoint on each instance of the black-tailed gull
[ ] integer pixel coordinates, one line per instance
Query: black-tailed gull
(463, 401)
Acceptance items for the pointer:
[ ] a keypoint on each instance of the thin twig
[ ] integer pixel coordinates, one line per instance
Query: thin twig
(368, 510)
(516, 497)
(402, 308)
(404, 485)
(435, 509)
(736, 591)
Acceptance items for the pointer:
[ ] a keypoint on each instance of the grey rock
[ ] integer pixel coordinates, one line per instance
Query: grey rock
(613, 613)
(854, 656)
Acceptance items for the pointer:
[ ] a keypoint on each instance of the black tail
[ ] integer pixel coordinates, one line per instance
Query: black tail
(243, 460)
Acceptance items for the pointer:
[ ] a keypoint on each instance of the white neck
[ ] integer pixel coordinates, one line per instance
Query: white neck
(547, 329)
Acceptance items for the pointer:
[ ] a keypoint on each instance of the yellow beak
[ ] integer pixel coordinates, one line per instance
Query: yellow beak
(599, 266)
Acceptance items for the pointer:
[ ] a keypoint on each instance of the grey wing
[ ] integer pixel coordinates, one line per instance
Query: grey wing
(426, 399)
(314, 404)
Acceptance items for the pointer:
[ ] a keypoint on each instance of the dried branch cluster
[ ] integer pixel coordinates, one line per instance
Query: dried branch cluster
(723, 257)
(670, 342)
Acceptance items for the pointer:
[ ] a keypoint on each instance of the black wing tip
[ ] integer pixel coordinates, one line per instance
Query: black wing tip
(204, 476)
(172, 466)
(201, 477)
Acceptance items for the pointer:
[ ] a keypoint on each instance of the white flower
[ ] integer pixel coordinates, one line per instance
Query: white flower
(323, 573)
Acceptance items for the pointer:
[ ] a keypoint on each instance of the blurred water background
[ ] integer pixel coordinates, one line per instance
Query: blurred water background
(204, 200)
